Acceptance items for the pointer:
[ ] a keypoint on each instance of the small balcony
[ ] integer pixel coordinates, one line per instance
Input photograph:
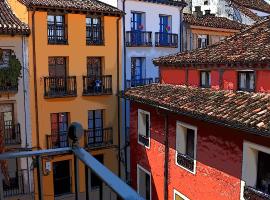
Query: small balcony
(57, 34)
(8, 87)
(97, 85)
(99, 138)
(144, 140)
(139, 39)
(57, 140)
(57, 87)
(166, 40)
(252, 193)
(94, 35)
(12, 133)
(139, 82)
(185, 161)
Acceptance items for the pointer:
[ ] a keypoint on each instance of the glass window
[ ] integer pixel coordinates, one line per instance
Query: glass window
(205, 79)
(56, 29)
(263, 179)
(94, 30)
(95, 119)
(57, 66)
(59, 123)
(203, 41)
(94, 66)
(144, 128)
(137, 21)
(246, 81)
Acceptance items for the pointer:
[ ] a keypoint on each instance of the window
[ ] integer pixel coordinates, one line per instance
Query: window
(205, 79)
(203, 41)
(246, 80)
(57, 67)
(179, 196)
(144, 128)
(137, 21)
(186, 137)
(165, 24)
(57, 33)
(4, 57)
(59, 129)
(263, 177)
(95, 126)
(94, 66)
(137, 68)
(144, 187)
(94, 31)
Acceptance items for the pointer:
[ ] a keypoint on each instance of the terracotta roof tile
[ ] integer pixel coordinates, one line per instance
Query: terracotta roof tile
(74, 5)
(213, 21)
(9, 23)
(260, 5)
(249, 46)
(242, 110)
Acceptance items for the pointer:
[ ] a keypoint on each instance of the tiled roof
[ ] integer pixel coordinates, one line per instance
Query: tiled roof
(242, 110)
(246, 11)
(260, 5)
(92, 6)
(9, 23)
(251, 46)
(213, 22)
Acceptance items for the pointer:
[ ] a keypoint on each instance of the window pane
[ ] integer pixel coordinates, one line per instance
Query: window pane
(263, 180)
(203, 78)
(190, 143)
(251, 81)
(50, 18)
(147, 123)
(59, 19)
(243, 80)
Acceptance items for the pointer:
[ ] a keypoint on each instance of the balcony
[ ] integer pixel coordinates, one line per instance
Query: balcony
(99, 138)
(97, 85)
(8, 87)
(139, 82)
(139, 39)
(12, 133)
(144, 140)
(94, 35)
(57, 87)
(59, 140)
(57, 34)
(166, 40)
(185, 161)
(251, 193)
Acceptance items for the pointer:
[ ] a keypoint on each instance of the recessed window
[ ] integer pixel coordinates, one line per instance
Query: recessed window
(203, 41)
(205, 79)
(144, 128)
(144, 183)
(186, 137)
(94, 31)
(179, 196)
(57, 30)
(137, 21)
(246, 80)
(263, 179)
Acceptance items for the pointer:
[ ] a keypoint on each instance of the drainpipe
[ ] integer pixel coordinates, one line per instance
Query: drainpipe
(181, 29)
(166, 160)
(35, 77)
(118, 96)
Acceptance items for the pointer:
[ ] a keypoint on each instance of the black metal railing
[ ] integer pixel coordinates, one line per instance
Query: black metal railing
(60, 86)
(166, 40)
(17, 185)
(12, 133)
(94, 35)
(97, 85)
(139, 39)
(185, 161)
(139, 82)
(7, 86)
(57, 140)
(254, 194)
(144, 140)
(57, 34)
(96, 138)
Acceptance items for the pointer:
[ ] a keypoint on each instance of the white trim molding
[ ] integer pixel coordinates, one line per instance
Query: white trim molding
(140, 111)
(139, 167)
(175, 192)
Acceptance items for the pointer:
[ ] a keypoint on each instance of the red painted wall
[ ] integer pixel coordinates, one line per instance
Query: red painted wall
(219, 158)
(215, 79)
(263, 81)
(230, 80)
(194, 77)
(172, 76)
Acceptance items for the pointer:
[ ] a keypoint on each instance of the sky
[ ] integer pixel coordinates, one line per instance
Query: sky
(112, 2)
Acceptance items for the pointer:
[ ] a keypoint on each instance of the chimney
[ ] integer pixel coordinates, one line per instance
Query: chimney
(198, 11)
(207, 12)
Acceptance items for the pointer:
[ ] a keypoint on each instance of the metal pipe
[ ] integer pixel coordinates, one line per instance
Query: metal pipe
(77, 182)
(39, 177)
(166, 160)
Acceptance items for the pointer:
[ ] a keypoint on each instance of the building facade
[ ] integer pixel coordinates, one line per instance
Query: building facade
(204, 132)
(14, 104)
(74, 68)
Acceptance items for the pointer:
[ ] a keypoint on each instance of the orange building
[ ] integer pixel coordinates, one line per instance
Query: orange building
(74, 71)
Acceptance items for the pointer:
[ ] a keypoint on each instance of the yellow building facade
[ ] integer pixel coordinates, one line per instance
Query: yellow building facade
(74, 70)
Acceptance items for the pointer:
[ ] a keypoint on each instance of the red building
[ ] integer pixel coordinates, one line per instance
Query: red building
(204, 134)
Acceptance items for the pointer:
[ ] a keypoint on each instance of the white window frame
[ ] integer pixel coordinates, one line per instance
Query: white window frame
(250, 164)
(140, 111)
(139, 167)
(188, 126)
(175, 192)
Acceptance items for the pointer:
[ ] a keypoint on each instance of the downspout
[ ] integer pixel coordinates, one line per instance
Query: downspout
(166, 160)
(118, 96)
(35, 77)
(181, 29)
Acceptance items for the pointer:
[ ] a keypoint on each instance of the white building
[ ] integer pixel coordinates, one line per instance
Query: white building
(151, 29)
(243, 11)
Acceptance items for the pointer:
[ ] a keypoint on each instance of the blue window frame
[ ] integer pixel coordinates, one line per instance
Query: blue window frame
(163, 23)
(137, 21)
(137, 69)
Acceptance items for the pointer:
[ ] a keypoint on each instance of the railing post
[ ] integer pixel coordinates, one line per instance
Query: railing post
(39, 177)
(76, 169)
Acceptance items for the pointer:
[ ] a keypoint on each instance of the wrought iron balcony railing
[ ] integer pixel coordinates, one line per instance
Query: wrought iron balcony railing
(57, 34)
(97, 85)
(144, 140)
(185, 161)
(12, 133)
(254, 194)
(94, 35)
(57, 140)
(18, 184)
(139, 82)
(6, 87)
(139, 39)
(166, 40)
(98, 138)
(55, 87)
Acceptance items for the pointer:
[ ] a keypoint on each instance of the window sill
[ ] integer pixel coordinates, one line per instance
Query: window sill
(142, 140)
